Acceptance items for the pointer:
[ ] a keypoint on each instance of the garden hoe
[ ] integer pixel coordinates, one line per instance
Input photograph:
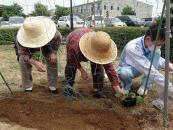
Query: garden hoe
(6, 82)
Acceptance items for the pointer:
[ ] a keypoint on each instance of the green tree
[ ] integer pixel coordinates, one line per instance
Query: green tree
(40, 10)
(171, 12)
(60, 11)
(128, 11)
(11, 10)
(1, 10)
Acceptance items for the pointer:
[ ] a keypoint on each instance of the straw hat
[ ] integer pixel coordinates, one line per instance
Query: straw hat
(36, 32)
(98, 47)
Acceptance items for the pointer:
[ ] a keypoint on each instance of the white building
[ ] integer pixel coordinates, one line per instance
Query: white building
(113, 8)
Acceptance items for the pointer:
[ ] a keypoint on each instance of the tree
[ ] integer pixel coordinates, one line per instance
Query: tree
(128, 11)
(171, 11)
(12, 10)
(40, 10)
(60, 11)
(1, 10)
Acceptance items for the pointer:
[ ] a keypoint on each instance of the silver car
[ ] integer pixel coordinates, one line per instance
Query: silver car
(114, 22)
(97, 21)
(4, 24)
(64, 21)
(16, 21)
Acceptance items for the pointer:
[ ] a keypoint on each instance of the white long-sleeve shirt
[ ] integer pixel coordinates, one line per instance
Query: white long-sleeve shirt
(136, 55)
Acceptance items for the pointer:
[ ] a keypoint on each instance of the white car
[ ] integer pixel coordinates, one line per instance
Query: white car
(97, 21)
(16, 21)
(114, 22)
(4, 24)
(64, 21)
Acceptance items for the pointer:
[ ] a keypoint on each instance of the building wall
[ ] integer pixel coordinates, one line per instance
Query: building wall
(114, 8)
(85, 10)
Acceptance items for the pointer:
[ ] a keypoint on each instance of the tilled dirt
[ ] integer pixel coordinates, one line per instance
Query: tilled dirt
(43, 111)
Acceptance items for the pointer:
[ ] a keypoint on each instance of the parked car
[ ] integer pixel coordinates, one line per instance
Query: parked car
(4, 24)
(148, 21)
(98, 21)
(1, 18)
(116, 22)
(64, 21)
(16, 21)
(131, 20)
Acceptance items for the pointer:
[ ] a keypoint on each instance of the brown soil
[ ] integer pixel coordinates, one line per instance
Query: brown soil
(42, 111)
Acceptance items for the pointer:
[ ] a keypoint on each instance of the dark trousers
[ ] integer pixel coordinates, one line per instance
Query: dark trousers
(97, 75)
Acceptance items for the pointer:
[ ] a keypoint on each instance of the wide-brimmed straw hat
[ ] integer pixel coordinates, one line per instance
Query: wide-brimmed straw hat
(98, 47)
(36, 32)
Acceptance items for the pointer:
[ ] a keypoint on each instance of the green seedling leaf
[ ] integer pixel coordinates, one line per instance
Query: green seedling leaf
(139, 99)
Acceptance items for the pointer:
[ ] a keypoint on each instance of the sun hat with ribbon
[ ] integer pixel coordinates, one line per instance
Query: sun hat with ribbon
(36, 32)
(98, 47)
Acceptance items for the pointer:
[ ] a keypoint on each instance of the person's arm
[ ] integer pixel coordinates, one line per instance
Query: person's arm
(72, 58)
(141, 63)
(84, 74)
(25, 56)
(39, 65)
(162, 64)
(52, 47)
(22, 52)
(113, 77)
(56, 42)
(171, 67)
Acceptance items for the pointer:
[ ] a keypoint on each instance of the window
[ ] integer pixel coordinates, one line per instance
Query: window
(104, 7)
(112, 7)
(61, 19)
(98, 7)
(118, 8)
(16, 19)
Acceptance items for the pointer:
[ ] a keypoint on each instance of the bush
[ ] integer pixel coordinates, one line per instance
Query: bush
(121, 36)
(7, 36)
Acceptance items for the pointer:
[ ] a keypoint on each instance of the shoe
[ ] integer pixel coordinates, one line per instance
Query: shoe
(28, 91)
(98, 94)
(53, 91)
(68, 91)
(141, 91)
(158, 103)
(106, 76)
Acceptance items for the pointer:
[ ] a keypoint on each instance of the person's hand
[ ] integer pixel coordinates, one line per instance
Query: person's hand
(40, 66)
(84, 75)
(53, 58)
(120, 90)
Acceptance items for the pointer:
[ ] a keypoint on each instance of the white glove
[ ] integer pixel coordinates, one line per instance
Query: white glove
(170, 91)
(171, 67)
(158, 103)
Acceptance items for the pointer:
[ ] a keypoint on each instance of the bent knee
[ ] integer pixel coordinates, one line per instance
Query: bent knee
(125, 73)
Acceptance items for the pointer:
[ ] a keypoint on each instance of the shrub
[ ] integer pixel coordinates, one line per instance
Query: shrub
(7, 36)
(121, 36)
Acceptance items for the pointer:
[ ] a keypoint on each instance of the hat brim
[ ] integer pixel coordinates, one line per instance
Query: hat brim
(43, 39)
(99, 58)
